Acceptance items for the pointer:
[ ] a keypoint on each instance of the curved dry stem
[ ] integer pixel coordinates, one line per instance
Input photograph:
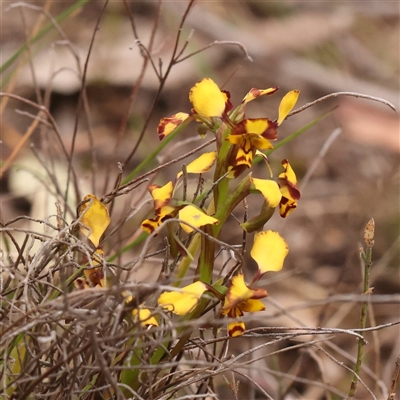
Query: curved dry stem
(338, 94)
(218, 42)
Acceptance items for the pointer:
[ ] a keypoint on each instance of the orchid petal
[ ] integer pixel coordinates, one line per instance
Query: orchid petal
(269, 189)
(207, 99)
(269, 251)
(185, 301)
(161, 194)
(255, 93)
(287, 104)
(144, 316)
(236, 328)
(252, 305)
(201, 164)
(168, 124)
(194, 216)
(94, 218)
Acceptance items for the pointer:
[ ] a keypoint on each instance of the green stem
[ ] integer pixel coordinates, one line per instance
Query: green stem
(229, 203)
(367, 258)
(185, 263)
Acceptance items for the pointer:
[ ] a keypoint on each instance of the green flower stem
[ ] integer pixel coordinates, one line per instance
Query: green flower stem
(205, 265)
(183, 266)
(223, 148)
(228, 205)
(257, 223)
(367, 259)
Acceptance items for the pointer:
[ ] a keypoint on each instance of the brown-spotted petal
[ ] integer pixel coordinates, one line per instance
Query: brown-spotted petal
(255, 93)
(168, 124)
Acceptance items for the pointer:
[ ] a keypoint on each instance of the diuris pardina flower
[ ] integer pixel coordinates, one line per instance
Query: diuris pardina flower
(209, 104)
(269, 251)
(240, 299)
(94, 220)
(162, 196)
(252, 134)
(212, 105)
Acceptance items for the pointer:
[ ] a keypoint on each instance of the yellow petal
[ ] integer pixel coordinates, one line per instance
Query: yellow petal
(161, 194)
(288, 182)
(150, 225)
(236, 328)
(194, 216)
(258, 126)
(234, 139)
(143, 315)
(207, 99)
(201, 164)
(269, 189)
(244, 155)
(252, 305)
(286, 207)
(237, 292)
(168, 124)
(287, 103)
(94, 218)
(255, 93)
(269, 251)
(182, 303)
(261, 143)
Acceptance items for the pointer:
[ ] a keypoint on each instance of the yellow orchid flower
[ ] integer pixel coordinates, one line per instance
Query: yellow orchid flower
(161, 196)
(252, 134)
(209, 102)
(94, 218)
(239, 299)
(207, 99)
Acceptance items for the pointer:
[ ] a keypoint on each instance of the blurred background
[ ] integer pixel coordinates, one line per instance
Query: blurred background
(347, 164)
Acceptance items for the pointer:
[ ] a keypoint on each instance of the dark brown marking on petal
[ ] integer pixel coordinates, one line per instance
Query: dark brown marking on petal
(239, 129)
(288, 207)
(237, 330)
(271, 133)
